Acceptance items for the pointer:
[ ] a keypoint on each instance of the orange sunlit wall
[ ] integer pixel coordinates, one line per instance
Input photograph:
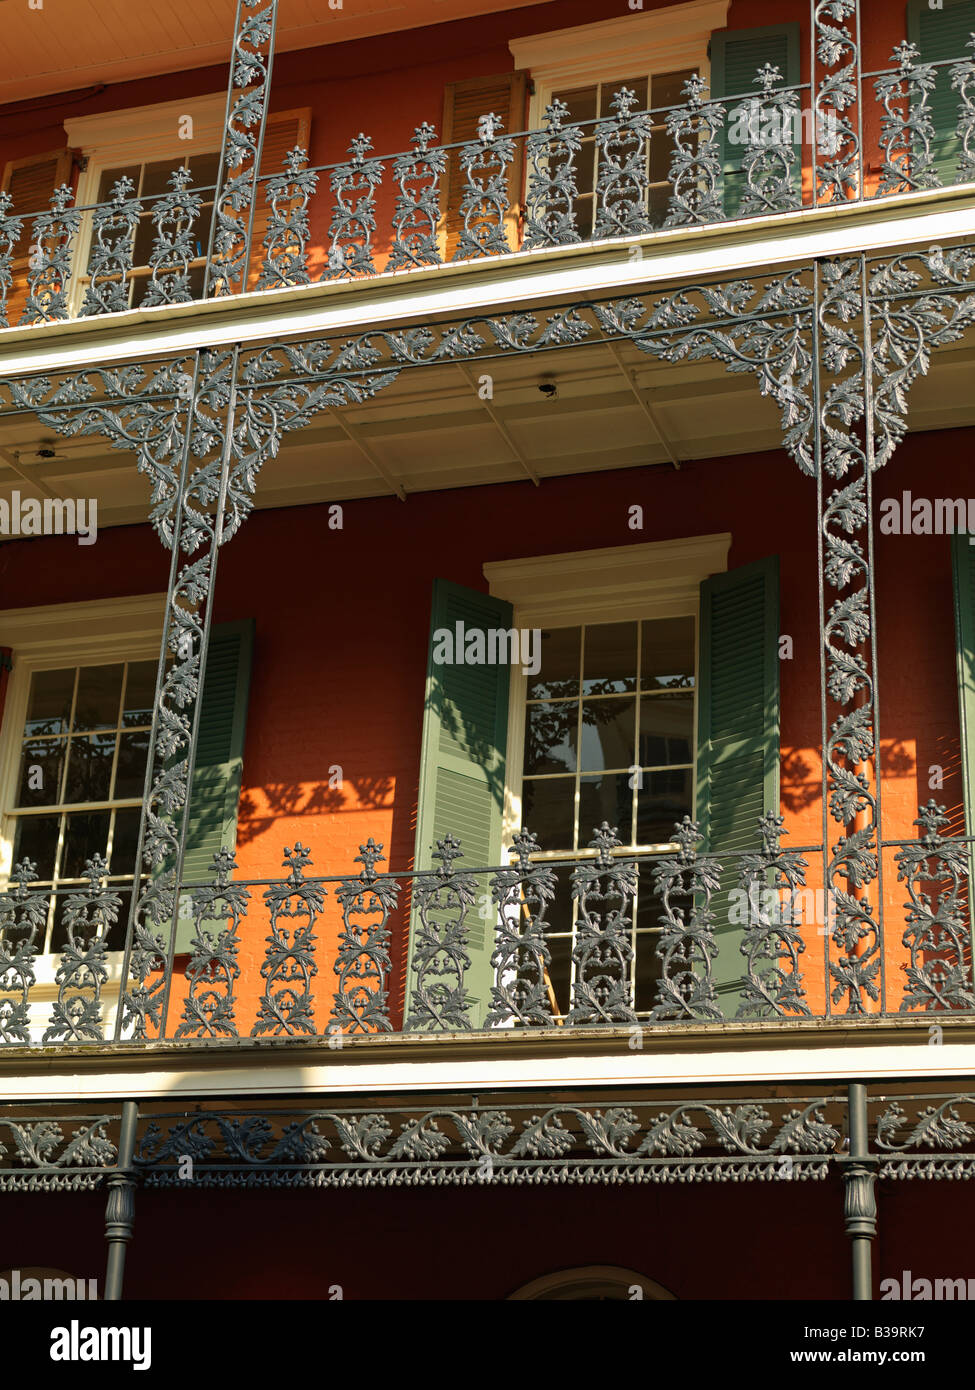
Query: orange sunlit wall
(342, 623)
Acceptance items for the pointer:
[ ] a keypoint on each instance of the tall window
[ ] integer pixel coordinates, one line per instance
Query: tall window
(593, 102)
(609, 736)
(80, 781)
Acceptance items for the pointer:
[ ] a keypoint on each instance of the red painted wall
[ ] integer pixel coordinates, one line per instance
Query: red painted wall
(699, 1241)
(342, 623)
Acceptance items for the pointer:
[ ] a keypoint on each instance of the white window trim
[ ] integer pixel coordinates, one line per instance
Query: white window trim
(45, 638)
(656, 579)
(664, 40)
(136, 135)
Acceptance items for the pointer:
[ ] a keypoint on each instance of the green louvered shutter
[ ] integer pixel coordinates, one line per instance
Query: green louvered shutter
(941, 34)
(963, 571)
(219, 756)
(462, 768)
(736, 56)
(738, 736)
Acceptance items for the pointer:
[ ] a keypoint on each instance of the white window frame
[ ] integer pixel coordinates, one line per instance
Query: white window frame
(135, 135)
(654, 42)
(655, 579)
(44, 639)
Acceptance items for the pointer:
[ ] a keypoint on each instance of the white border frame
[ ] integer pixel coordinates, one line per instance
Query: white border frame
(654, 41)
(44, 638)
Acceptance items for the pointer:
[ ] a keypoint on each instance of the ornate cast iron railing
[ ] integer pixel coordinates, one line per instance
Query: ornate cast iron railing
(657, 1137)
(788, 953)
(772, 150)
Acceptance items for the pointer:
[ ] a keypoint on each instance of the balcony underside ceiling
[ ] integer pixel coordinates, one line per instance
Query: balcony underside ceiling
(431, 430)
(71, 44)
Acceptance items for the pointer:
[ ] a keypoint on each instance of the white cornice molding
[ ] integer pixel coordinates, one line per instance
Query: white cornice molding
(65, 629)
(631, 581)
(139, 131)
(657, 41)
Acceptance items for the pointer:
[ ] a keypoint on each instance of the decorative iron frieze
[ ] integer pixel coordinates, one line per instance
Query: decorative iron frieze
(645, 1141)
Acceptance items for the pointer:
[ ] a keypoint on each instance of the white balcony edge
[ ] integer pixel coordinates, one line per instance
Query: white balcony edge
(560, 1068)
(500, 285)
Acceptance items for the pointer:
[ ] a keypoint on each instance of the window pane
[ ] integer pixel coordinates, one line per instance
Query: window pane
(131, 769)
(124, 841)
(204, 168)
(89, 768)
(646, 971)
(36, 839)
(609, 666)
(638, 85)
(112, 176)
(155, 179)
(667, 88)
(663, 801)
(115, 939)
(581, 102)
(140, 691)
(585, 177)
(666, 729)
(560, 971)
(550, 737)
(85, 834)
(559, 673)
(548, 811)
(41, 764)
(608, 798)
(144, 235)
(99, 689)
(49, 705)
(668, 654)
(608, 727)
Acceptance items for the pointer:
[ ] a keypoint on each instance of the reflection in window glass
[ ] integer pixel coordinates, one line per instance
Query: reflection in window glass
(610, 737)
(81, 778)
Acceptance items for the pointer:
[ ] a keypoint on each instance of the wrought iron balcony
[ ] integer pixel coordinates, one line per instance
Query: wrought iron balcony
(747, 913)
(774, 150)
